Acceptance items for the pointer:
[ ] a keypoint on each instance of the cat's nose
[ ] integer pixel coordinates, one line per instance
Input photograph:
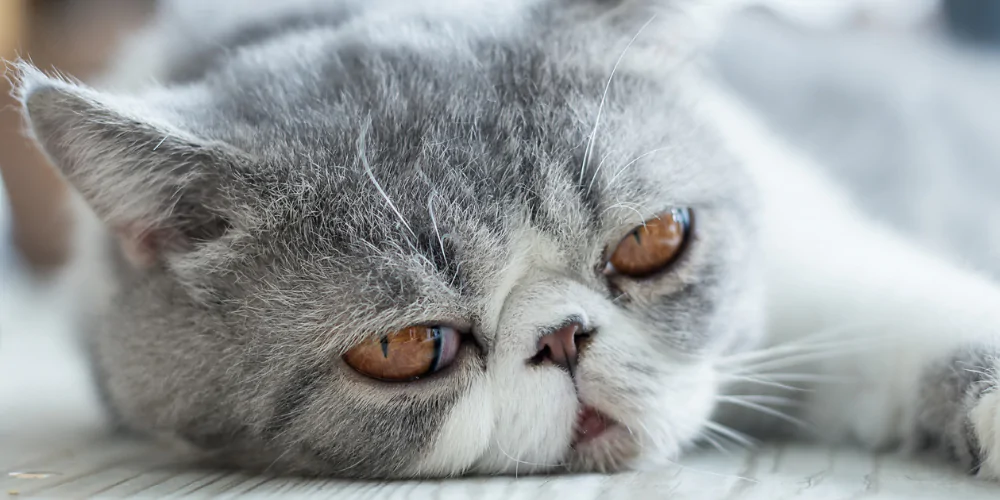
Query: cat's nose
(563, 346)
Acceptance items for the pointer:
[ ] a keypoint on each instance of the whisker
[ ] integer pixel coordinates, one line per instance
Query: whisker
(715, 444)
(604, 98)
(349, 467)
(625, 167)
(777, 358)
(787, 361)
(638, 439)
(804, 377)
(820, 347)
(764, 381)
(768, 411)
(733, 434)
(813, 343)
(371, 175)
(611, 182)
(518, 462)
(710, 473)
(275, 461)
(598, 169)
(834, 332)
(759, 398)
(629, 206)
(430, 211)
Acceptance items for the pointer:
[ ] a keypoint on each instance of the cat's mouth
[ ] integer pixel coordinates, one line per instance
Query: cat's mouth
(590, 424)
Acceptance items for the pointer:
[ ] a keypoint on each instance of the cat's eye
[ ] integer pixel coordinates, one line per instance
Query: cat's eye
(652, 246)
(406, 354)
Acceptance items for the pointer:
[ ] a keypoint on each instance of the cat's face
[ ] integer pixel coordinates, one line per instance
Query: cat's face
(545, 265)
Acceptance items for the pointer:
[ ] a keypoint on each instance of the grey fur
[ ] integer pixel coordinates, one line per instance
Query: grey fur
(353, 168)
(949, 393)
(316, 173)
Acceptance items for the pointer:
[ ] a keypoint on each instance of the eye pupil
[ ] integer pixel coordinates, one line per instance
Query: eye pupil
(385, 347)
(436, 332)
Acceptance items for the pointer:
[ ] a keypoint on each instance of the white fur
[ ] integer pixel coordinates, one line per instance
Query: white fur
(463, 438)
(830, 267)
(986, 422)
(519, 419)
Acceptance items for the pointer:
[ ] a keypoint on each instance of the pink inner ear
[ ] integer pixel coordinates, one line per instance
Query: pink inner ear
(138, 244)
(143, 244)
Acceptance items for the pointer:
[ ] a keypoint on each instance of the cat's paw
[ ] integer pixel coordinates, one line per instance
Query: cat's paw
(984, 420)
(959, 411)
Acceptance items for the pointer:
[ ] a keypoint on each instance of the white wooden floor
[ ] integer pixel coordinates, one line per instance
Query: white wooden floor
(107, 468)
(51, 445)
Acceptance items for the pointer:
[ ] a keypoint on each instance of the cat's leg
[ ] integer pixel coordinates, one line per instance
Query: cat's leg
(906, 344)
(901, 346)
(905, 347)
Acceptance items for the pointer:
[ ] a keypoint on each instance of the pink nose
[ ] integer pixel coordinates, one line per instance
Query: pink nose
(562, 346)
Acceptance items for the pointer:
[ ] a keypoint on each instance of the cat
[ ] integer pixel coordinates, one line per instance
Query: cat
(390, 239)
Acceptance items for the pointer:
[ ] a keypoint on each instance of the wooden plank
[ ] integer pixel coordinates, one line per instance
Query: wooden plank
(119, 469)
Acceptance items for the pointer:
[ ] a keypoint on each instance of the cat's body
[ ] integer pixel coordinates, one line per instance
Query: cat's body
(306, 177)
(904, 119)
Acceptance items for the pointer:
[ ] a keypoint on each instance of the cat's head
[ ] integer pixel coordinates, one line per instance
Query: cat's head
(546, 261)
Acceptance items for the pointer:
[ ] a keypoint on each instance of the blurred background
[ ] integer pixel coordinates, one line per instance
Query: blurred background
(77, 37)
(901, 98)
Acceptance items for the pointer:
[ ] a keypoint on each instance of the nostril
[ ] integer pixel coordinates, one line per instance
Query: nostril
(544, 354)
(583, 339)
(562, 345)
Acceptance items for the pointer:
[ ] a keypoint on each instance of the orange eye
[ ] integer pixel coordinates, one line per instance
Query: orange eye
(407, 354)
(651, 246)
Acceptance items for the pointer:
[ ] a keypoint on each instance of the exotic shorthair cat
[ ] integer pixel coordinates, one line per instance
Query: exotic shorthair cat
(404, 238)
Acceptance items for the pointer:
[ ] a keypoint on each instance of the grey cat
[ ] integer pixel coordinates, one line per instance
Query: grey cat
(415, 239)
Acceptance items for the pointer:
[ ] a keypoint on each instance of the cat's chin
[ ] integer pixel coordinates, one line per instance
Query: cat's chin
(601, 443)
(590, 425)
(611, 438)
(611, 450)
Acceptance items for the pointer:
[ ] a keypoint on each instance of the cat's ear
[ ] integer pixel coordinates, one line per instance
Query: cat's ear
(153, 183)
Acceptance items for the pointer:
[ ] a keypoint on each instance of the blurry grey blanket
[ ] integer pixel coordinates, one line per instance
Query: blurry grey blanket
(907, 121)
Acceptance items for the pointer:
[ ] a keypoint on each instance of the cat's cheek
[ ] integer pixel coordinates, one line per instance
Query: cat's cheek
(463, 437)
(534, 409)
(677, 415)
